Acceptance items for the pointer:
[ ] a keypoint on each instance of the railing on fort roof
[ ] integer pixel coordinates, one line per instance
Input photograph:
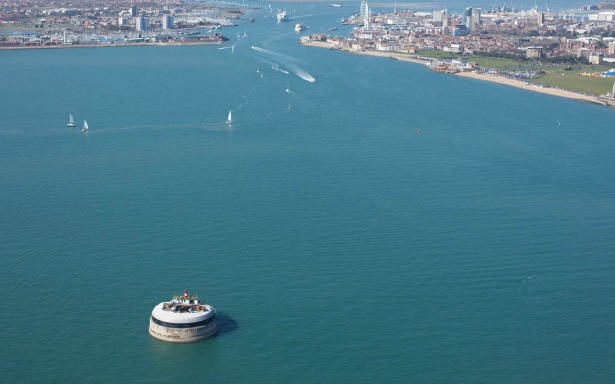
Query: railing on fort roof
(182, 297)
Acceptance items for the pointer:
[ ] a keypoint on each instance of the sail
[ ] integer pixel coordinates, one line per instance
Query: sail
(70, 119)
(85, 126)
(229, 119)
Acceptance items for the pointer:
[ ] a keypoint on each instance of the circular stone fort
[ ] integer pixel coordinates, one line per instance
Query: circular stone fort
(184, 319)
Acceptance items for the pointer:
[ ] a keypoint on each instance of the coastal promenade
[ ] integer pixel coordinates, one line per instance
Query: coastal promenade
(472, 75)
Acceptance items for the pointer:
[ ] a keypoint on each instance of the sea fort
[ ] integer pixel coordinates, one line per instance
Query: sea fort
(184, 319)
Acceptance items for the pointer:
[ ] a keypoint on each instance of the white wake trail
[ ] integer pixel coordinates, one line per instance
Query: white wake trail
(287, 61)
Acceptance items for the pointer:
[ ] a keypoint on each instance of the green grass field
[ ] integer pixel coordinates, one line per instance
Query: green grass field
(486, 62)
(573, 81)
(555, 75)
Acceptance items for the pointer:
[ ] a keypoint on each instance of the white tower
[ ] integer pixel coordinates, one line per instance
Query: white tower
(365, 14)
(167, 22)
(141, 23)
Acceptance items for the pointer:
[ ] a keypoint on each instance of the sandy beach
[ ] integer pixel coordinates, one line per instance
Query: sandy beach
(536, 88)
(479, 76)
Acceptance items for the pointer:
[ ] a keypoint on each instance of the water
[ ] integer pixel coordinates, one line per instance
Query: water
(336, 242)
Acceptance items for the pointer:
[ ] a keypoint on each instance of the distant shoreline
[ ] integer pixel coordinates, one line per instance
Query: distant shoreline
(112, 45)
(479, 76)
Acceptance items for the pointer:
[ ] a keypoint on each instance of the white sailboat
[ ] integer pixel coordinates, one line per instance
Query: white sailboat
(229, 119)
(85, 126)
(71, 122)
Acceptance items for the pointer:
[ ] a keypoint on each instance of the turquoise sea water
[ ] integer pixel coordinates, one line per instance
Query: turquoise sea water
(337, 243)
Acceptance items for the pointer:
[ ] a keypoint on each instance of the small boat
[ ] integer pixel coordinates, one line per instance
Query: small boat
(71, 122)
(85, 126)
(282, 16)
(287, 88)
(229, 119)
(300, 27)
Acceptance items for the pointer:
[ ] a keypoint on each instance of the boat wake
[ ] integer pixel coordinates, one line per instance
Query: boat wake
(287, 62)
(302, 73)
(276, 67)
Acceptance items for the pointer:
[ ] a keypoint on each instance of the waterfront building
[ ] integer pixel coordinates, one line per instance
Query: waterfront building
(437, 16)
(141, 24)
(167, 22)
(122, 21)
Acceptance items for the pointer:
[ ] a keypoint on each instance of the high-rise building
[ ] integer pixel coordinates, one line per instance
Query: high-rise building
(167, 22)
(475, 18)
(466, 18)
(141, 24)
(122, 21)
(437, 16)
(541, 19)
(133, 11)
